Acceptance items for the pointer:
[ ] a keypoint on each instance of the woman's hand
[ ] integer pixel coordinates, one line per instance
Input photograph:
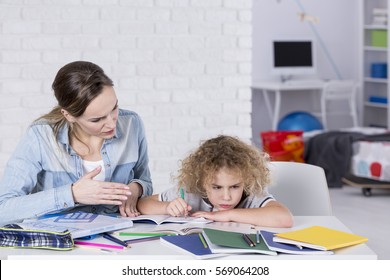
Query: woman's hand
(90, 192)
(129, 206)
(178, 207)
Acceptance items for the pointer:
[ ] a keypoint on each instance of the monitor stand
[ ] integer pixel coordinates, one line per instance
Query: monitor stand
(285, 78)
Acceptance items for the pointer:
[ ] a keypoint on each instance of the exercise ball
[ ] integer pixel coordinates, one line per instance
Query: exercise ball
(299, 121)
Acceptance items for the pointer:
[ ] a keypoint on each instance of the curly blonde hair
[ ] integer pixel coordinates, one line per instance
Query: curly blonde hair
(199, 168)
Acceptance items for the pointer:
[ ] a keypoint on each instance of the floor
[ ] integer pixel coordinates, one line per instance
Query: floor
(366, 216)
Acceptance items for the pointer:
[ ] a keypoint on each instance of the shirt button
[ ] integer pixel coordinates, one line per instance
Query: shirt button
(108, 165)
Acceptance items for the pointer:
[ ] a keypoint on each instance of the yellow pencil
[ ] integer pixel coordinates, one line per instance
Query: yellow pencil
(202, 239)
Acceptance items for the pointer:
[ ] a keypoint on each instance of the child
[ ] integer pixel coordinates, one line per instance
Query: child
(224, 180)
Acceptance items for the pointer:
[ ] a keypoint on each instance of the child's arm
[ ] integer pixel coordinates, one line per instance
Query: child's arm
(150, 205)
(273, 214)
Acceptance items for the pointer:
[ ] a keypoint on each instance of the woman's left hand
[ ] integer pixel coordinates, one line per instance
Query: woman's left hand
(129, 206)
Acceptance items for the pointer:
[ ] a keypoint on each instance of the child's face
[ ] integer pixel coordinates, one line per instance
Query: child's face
(225, 191)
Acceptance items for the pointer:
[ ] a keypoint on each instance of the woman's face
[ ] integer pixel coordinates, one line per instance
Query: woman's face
(101, 115)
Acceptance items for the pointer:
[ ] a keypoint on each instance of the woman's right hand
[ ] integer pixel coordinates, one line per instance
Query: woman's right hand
(178, 207)
(89, 191)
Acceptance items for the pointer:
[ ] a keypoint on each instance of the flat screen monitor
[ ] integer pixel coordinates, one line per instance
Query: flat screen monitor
(293, 57)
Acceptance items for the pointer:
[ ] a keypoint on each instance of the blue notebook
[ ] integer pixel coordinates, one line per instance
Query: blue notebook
(191, 244)
(289, 248)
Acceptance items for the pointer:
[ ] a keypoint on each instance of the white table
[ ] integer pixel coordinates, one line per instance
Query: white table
(154, 250)
(278, 88)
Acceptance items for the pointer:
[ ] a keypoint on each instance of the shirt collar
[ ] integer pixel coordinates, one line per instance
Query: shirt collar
(63, 137)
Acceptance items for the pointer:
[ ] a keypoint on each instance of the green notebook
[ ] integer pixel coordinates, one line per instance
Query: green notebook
(228, 242)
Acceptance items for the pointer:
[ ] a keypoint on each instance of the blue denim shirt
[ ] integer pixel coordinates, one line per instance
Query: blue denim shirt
(37, 179)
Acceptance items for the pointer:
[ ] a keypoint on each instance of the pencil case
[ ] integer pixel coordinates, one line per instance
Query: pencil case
(14, 236)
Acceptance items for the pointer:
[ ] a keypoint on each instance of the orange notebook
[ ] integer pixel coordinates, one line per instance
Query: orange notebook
(320, 238)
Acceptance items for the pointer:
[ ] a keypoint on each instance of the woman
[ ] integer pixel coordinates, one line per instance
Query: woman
(84, 155)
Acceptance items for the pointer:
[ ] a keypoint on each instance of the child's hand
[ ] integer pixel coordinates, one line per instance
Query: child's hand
(178, 207)
(219, 216)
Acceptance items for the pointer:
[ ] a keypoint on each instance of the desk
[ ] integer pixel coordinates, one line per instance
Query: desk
(268, 87)
(152, 250)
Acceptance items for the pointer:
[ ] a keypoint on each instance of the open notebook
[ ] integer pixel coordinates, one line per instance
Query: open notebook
(164, 219)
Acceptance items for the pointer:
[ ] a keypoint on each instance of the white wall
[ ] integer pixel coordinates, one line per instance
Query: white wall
(183, 65)
(338, 29)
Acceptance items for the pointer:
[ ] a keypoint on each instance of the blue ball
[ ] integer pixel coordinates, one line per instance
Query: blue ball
(299, 121)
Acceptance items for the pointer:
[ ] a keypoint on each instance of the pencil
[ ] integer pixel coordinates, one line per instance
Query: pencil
(202, 239)
(257, 236)
(115, 240)
(248, 240)
(88, 237)
(131, 241)
(182, 196)
(98, 245)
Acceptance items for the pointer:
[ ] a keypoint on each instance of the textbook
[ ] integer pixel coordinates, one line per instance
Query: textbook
(190, 244)
(289, 248)
(80, 224)
(320, 238)
(227, 242)
(165, 229)
(163, 219)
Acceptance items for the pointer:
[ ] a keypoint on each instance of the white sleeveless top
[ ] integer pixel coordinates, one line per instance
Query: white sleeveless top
(88, 166)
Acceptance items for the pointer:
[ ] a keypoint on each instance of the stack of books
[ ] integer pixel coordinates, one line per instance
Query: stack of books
(212, 243)
(315, 240)
(379, 16)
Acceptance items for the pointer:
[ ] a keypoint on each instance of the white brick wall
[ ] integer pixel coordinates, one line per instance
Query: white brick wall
(183, 65)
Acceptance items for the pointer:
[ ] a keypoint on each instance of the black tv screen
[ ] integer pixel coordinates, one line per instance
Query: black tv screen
(293, 54)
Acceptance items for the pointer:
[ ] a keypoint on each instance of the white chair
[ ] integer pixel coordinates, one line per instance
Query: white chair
(337, 90)
(301, 187)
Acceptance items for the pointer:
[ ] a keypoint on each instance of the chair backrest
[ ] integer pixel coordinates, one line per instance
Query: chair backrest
(340, 89)
(345, 90)
(301, 187)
